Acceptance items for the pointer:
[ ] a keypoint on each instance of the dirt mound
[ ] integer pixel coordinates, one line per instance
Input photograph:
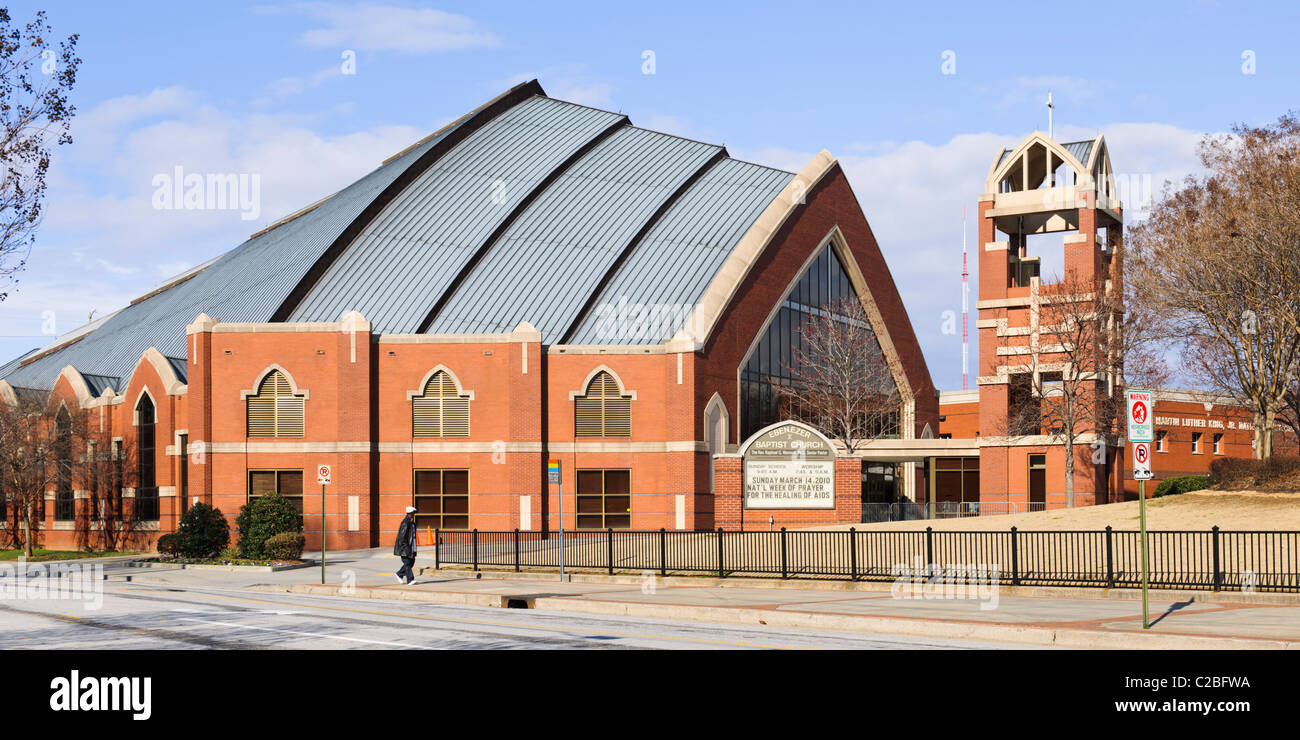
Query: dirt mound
(1236, 510)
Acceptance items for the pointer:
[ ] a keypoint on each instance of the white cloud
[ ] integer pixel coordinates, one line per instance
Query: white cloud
(103, 243)
(371, 27)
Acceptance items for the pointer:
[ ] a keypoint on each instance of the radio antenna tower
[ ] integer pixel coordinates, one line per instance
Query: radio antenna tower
(965, 307)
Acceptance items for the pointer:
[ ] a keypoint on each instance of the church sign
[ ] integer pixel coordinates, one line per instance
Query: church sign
(789, 466)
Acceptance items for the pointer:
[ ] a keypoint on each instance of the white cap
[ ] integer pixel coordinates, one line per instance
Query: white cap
(410, 510)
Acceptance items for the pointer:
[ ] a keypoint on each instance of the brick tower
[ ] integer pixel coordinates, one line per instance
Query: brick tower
(1044, 187)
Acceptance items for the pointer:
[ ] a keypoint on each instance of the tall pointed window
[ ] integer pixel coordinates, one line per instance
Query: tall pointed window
(275, 411)
(604, 411)
(146, 495)
(441, 410)
(823, 285)
(64, 499)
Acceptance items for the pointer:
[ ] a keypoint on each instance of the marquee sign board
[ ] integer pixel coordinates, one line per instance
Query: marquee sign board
(1142, 461)
(789, 466)
(1141, 426)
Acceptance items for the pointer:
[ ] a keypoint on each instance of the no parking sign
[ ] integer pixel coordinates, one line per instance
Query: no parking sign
(1142, 461)
(323, 475)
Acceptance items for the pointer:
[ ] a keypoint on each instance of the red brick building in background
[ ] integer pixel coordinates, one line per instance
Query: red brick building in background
(538, 280)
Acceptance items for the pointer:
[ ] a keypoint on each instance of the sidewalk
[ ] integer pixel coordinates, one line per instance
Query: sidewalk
(1180, 620)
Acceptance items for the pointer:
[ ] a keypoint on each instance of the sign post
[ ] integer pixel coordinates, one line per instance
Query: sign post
(323, 478)
(553, 476)
(1141, 431)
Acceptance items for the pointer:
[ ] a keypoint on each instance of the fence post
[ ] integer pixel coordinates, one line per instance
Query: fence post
(437, 556)
(609, 541)
(853, 553)
(721, 572)
(784, 569)
(476, 549)
(1015, 559)
(1110, 558)
(663, 553)
(516, 549)
(1218, 572)
(929, 548)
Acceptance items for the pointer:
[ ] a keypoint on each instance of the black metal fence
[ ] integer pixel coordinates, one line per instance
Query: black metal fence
(1213, 559)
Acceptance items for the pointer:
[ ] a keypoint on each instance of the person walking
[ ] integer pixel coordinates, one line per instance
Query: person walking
(404, 547)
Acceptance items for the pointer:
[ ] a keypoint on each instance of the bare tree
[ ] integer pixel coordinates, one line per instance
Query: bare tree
(35, 79)
(1290, 414)
(1217, 259)
(1089, 346)
(34, 452)
(55, 447)
(842, 383)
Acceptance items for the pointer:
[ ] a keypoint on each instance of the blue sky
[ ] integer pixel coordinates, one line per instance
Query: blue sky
(258, 88)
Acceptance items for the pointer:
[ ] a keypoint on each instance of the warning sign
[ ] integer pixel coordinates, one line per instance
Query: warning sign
(1141, 427)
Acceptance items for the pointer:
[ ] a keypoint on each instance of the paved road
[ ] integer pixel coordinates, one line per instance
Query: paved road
(156, 616)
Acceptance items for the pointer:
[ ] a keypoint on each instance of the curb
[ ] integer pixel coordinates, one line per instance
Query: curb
(1053, 592)
(1021, 635)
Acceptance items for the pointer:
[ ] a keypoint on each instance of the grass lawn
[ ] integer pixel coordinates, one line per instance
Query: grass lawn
(39, 554)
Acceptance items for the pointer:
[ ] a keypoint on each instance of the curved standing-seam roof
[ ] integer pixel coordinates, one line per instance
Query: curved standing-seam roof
(587, 210)
(245, 284)
(394, 271)
(673, 264)
(546, 265)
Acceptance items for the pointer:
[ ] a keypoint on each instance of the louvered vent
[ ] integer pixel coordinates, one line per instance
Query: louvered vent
(441, 411)
(275, 411)
(603, 412)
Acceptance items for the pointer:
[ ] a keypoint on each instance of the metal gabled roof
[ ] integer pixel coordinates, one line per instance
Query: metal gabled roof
(9, 366)
(245, 284)
(547, 264)
(408, 256)
(1080, 150)
(669, 270)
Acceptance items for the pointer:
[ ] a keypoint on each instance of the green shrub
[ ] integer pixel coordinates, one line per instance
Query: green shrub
(1182, 484)
(263, 518)
(203, 531)
(228, 554)
(285, 546)
(168, 545)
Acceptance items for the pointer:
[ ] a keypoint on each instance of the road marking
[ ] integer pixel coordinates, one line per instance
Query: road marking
(234, 611)
(236, 625)
(486, 623)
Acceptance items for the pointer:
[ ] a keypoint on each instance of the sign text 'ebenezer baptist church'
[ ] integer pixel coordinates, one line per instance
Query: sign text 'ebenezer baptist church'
(789, 466)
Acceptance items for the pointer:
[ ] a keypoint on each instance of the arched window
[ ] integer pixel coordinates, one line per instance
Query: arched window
(64, 500)
(604, 411)
(821, 291)
(275, 411)
(146, 494)
(716, 425)
(440, 410)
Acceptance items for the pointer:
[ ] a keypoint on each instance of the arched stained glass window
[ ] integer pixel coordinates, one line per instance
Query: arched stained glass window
(772, 364)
